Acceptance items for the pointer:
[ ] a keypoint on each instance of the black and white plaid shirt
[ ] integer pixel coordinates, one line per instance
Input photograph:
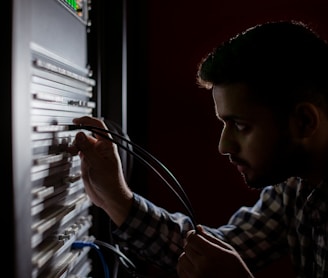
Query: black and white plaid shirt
(287, 218)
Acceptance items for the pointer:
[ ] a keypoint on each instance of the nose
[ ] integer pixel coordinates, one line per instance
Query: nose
(227, 144)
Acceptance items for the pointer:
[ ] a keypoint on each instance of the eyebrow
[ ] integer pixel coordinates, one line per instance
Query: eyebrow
(228, 117)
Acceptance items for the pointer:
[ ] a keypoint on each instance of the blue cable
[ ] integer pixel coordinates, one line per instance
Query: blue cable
(82, 244)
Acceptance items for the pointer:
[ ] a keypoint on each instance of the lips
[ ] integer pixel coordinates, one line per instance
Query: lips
(240, 165)
(241, 168)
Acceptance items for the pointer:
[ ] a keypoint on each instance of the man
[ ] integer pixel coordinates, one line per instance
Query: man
(270, 89)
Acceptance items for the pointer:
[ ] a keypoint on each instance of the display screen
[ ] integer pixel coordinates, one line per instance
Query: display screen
(78, 7)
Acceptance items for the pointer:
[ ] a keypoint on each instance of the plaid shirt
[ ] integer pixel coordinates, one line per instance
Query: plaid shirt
(288, 217)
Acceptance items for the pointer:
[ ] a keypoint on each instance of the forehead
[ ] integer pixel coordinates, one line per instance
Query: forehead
(236, 101)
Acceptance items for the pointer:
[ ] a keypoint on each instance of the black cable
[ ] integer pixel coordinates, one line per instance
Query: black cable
(127, 160)
(126, 261)
(117, 259)
(122, 259)
(149, 155)
(154, 159)
(128, 265)
(185, 200)
(127, 163)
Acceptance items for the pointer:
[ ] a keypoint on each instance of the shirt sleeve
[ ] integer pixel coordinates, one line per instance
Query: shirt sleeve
(154, 233)
(257, 233)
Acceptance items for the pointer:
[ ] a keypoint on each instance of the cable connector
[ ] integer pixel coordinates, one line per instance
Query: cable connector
(74, 127)
(81, 244)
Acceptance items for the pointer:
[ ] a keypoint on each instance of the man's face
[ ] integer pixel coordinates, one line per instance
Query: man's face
(262, 149)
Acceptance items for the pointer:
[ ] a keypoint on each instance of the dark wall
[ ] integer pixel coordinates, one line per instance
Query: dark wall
(172, 117)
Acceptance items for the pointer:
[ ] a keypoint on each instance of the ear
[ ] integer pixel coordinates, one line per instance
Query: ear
(307, 119)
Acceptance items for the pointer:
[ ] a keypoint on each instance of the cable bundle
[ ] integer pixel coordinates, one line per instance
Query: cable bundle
(152, 163)
(147, 159)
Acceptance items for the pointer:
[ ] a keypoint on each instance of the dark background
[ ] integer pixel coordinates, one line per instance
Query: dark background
(174, 119)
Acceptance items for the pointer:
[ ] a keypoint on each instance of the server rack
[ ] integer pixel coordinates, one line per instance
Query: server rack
(48, 82)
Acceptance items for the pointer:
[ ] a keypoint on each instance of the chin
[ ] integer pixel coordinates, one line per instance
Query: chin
(261, 182)
(255, 185)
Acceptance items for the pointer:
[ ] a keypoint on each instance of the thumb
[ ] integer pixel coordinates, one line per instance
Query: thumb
(82, 142)
(97, 152)
(211, 238)
(87, 147)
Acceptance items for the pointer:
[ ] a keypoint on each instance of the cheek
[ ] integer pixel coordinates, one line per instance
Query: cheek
(261, 149)
(272, 155)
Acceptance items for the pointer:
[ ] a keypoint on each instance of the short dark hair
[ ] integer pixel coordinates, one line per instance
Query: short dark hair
(282, 61)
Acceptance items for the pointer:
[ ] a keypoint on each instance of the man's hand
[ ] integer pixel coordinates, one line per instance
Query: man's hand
(102, 172)
(207, 256)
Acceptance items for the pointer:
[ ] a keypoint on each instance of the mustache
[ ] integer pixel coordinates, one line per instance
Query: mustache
(237, 161)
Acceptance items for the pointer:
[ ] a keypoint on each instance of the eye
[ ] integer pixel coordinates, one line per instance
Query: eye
(240, 126)
(233, 124)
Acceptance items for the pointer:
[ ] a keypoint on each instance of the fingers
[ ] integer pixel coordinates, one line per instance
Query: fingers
(193, 242)
(93, 122)
(98, 150)
(78, 144)
(212, 239)
(188, 261)
(184, 267)
(205, 255)
(94, 150)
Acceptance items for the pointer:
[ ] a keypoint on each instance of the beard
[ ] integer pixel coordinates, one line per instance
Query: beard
(286, 160)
